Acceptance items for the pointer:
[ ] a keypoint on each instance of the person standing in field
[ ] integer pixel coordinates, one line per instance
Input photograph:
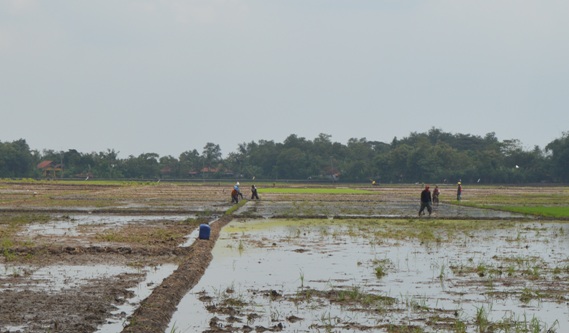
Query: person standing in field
(459, 191)
(254, 194)
(426, 201)
(236, 188)
(436, 193)
(236, 193)
(234, 196)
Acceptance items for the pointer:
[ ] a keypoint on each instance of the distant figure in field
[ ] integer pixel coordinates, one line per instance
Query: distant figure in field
(254, 194)
(426, 201)
(236, 193)
(236, 188)
(436, 193)
(459, 191)
(234, 196)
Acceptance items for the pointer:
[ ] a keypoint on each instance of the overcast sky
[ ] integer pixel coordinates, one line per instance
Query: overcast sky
(166, 77)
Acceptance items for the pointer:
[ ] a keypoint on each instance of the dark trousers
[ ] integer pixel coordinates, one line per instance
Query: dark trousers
(425, 205)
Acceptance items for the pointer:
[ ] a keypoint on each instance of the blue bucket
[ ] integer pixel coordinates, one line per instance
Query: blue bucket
(205, 230)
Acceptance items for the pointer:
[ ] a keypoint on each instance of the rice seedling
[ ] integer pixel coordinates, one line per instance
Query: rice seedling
(418, 304)
(528, 295)
(481, 270)
(380, 272)
(328, 322)
(295, 190)
(481, 320)
(459, 326)
(241, 247)
(442, 272)
(547, 211)
(174, 329)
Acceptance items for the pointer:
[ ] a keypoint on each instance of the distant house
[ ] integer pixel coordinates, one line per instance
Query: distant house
(207, 170)
(193, 173)
(210, 172)
(50, 169)
(166, 171)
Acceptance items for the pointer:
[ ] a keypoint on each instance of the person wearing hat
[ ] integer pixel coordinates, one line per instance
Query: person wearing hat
(234, 196)
(459, 191)
(426, 201)
(237, 192)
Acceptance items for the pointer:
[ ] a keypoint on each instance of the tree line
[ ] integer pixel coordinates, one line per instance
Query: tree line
(435, 157)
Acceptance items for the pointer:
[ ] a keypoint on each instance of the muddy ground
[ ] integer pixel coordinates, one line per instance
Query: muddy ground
(148, 223)
(161, 215)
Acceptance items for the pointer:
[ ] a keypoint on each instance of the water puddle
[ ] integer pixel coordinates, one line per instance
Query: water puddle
(154, 277)
(70, 225)
(75, 281)
(361, 275)
(57, 278)
(68, 278)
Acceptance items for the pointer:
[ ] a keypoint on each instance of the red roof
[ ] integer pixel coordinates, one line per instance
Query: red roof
(44, 164)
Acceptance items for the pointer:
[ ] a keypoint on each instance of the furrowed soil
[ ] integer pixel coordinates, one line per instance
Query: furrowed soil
(51, 232)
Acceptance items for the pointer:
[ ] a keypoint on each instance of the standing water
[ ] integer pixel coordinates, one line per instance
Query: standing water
(361, 275)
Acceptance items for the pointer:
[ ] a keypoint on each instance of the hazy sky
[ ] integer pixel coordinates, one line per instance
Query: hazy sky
(165, 77)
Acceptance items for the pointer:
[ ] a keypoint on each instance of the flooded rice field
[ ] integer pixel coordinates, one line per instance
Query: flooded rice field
(382, 276)
(349, 208)
(95, 269)
(126, 257)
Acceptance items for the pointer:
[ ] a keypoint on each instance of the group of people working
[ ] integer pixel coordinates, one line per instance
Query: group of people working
(427, 201)
(236, 193)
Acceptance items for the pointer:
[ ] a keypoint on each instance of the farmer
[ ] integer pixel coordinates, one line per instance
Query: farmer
(234, 196)
(426, 201)
(254, 194)
(236, 193)
(459, 191)
(236, 188)
(436, 193)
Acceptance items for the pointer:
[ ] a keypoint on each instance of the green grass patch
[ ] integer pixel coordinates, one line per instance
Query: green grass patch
(10, 225)
(235, 207)
(143, 236)
(312, 190)
(549, 211)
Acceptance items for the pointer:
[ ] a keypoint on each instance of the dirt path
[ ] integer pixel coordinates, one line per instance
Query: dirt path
(154, 313)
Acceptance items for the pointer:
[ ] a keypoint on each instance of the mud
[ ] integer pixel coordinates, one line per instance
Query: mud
(48, 225)
(74, 256)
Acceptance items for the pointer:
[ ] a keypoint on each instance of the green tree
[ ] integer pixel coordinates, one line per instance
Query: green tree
(559, 159)
(358, 165)
(16, 159)
(211, 155)
(169, 167)
(108, 165)
(291, 164)
(190, 163)
(144, 166)
(264, 155)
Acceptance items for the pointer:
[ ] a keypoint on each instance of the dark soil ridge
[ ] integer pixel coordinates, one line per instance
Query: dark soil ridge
(155, 312)
(79, 250)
